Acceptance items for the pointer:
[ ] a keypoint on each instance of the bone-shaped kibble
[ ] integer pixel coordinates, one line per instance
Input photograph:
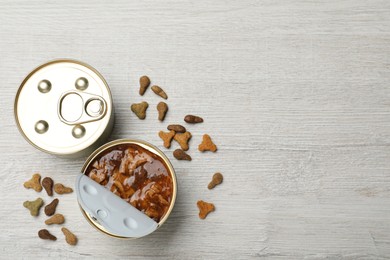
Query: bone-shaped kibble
(167, 137)
(183, 140)
(207, 144)
(33, 206)
(204, 208)
(34, 183)
(140, 109)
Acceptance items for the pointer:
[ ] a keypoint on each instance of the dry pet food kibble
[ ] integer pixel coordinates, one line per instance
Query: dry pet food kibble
(50, 209)
(33, 206)
(140, 109)
(61, 189)
(207, 144)
(45, 234)
(159, 91)
(204, 208)
(181, 155)
(47, 183)
(177, 128)
(193, 119)
(166, 137)
(144, 83)
(56, 219)
(34, 183)
(183, 139)
(70, 238)
(162, 109)
(217, 179)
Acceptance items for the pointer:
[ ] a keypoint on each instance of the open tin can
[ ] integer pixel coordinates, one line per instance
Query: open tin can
(64, 107)
(127, 188)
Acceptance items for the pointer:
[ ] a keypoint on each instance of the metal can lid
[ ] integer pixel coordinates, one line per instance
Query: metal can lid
(63, 107)
(112, 212)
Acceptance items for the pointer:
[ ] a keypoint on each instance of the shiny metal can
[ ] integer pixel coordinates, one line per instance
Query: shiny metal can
(110, 213)
(64, 107)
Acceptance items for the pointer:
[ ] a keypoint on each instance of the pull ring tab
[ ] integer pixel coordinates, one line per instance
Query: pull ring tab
(77, 107)
(113, 213)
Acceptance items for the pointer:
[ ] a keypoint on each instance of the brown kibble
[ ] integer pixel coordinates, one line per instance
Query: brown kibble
(167, 137)
(50, 209)
(217, 179)
(140, 109)
(55, 219)
(159, 91)
(61, 189)
(70, 238)
(182, 139)
(207, 144)
(181, 155)
(204, 208)
(45, 234)
(193, 119)
(33, 206)
(177, 128)
(144, 83)
(47, 183)
(162, 109)
(34, 183)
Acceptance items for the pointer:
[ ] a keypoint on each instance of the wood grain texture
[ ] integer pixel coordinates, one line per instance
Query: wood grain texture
(296, 94)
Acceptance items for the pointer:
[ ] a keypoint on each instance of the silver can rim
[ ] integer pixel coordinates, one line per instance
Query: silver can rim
(76, 153)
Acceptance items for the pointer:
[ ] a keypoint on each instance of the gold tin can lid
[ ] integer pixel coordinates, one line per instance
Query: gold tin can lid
(64, 107)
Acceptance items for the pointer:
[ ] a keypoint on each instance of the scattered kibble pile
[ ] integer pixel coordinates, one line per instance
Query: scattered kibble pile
(180, 134)
(50, 209)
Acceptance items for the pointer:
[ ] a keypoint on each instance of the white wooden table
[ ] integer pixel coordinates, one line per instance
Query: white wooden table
(296, 94)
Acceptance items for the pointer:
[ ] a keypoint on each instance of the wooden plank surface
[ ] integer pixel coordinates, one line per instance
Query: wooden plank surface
(296, 94)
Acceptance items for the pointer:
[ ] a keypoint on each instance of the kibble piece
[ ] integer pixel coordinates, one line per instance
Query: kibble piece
(181, 155)
(70, 238)
(61, 189)
(167, 137)
(193, 119)
(45, 234)
(183, 139)
(204, 208)
(50, 209)
(217, 179)
(34, 183)
(55, 219)
(207, 144)
(159, 91)
(162, 109)
(140, 109)
(47, 183)
(33, 206)
(144, 83)
(177, 128)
